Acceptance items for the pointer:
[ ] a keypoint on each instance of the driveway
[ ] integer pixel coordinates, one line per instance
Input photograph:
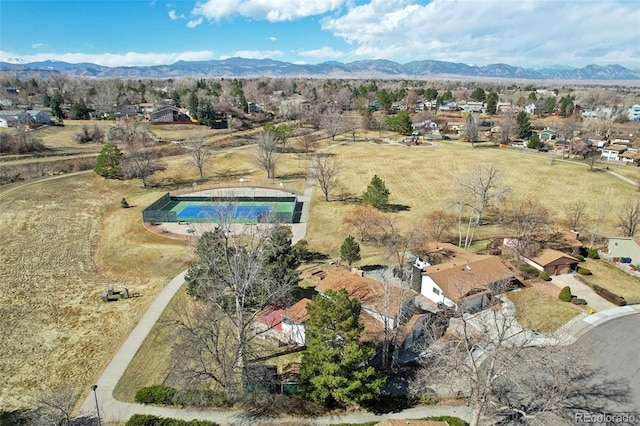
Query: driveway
(582, 291)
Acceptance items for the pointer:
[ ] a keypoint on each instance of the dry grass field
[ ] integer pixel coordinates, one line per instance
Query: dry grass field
(422, 179)
(64, 241)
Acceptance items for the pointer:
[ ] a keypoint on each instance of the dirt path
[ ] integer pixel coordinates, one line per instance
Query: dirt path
(20, 185)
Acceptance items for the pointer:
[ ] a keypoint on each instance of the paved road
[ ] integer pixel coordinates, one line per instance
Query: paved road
(614, 347)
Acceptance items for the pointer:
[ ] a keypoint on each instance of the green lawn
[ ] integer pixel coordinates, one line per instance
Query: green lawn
(613, 279)
(540, 311)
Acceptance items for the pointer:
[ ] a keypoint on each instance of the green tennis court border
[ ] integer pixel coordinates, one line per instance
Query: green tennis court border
(286, 209)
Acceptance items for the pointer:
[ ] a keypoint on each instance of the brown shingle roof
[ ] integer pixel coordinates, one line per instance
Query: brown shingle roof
(369, 292)
(549, 256)
(459, 279)
(297, 313)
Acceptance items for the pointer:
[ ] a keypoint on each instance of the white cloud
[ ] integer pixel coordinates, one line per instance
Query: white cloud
(325, 52)
(174, 16)
(271, 39)
(269, 10)
(113, 59)
(256, 54)
(37, 45)
(525, 32)
(194, 23)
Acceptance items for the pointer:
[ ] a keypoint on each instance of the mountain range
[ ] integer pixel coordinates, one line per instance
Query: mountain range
(241, 67)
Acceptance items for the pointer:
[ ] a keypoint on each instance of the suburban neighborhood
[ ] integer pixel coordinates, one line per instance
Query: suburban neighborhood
(308, 249)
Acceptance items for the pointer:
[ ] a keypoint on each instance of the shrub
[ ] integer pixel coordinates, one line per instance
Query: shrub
(529, 271)
(611, 297)
(565, 294)
(584, 271)
(579, 257)
(156, 394)
(578, 301)
(592, 253)
(544, 276)
(151, 420)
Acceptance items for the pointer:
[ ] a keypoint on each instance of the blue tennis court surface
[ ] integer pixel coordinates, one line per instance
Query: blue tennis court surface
(193, 212)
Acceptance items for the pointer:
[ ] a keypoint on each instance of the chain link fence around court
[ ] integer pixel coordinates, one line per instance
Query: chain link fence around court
(237, 205)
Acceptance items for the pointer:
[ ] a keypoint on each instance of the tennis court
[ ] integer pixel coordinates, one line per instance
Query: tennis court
(198, 209)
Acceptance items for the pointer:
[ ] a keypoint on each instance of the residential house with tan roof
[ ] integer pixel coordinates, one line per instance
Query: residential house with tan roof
(612, 152)
(383, 302)
(469, 280)
(553, 262)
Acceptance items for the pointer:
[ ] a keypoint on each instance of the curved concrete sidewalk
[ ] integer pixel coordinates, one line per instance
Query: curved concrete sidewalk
(582, 324)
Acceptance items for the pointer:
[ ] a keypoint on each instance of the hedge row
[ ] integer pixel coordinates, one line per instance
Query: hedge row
(156, 394)
(166, 395)
(611, 297)
(150, 420)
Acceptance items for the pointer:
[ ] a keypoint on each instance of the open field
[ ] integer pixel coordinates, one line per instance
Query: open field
(64, 242)
(421, 179)
(540, 311)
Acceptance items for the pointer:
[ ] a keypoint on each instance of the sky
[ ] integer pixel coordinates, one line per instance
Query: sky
(528, 33)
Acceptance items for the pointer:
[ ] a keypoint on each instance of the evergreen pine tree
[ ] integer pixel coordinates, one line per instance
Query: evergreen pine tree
(335, 366)
(377, 193)
(350, 250)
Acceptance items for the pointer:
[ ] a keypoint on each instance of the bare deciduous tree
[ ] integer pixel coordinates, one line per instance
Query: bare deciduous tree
(332, 122)
(141, 162)
(199, 153)
(527, 222)
(629, 218)
(267, 155)
(327, 171)
(53, 406)
(575, 213)
(600, 212)
(473, 193)
(365, 219)
(233, 277)
(507, 372)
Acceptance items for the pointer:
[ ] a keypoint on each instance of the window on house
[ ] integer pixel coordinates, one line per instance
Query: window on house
(436, 290)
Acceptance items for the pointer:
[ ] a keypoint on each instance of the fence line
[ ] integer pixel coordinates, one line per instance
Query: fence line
(245, 186)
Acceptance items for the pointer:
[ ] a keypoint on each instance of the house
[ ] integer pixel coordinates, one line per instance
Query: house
(475, 107)
(13, 118)
(628, 247)
(548, 135)
(534, 108)
(634, 113)
(293, 322)
(553, 262)
(468, 279)
(169, 114)
(630, 156)
(612, 152)
(504, 107)
(383, 304)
